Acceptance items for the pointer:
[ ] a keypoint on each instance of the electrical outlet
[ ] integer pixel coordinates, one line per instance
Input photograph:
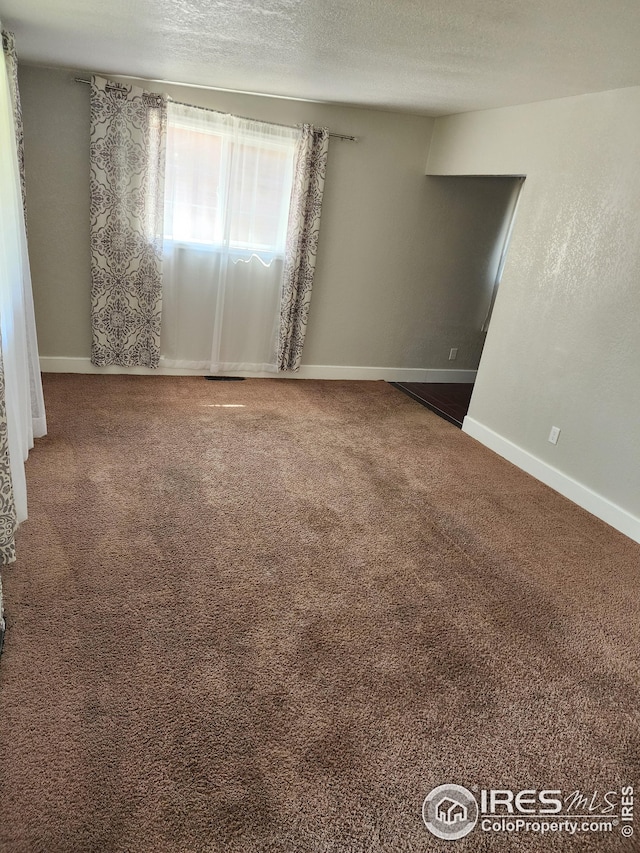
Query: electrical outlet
(453, 353)
(554, 435)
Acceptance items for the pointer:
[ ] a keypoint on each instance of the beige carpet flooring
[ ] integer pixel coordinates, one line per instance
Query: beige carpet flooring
(269, 616)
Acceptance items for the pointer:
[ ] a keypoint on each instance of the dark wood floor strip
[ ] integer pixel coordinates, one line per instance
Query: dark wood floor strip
(449, 400)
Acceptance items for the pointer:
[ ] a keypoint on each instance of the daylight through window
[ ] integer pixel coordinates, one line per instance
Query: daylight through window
(228, 183)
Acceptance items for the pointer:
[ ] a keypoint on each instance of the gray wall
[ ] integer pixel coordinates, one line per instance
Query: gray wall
(564, 344)
(403, 262)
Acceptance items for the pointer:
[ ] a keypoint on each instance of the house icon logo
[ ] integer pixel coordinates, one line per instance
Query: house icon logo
(450, 811)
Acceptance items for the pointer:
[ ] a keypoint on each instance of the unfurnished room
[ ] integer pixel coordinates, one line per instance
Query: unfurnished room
(319, 426)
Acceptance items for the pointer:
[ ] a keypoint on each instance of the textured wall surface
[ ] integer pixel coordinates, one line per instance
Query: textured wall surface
(563, 348)
(403, 262)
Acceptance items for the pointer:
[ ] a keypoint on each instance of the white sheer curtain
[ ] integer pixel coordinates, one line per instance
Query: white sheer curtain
(23, 388)
(227, 196)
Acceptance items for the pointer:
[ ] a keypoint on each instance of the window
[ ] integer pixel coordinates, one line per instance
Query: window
(228, 183)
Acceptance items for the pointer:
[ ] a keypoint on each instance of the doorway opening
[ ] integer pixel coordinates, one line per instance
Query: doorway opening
(479, 214)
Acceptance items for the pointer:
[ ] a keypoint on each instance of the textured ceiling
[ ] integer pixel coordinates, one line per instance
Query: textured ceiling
(425, 56)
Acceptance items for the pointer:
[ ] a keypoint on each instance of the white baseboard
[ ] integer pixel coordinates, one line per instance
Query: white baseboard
(580, 494)
(311, 371)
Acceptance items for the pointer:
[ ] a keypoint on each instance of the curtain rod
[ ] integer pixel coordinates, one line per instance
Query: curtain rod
(221, 112)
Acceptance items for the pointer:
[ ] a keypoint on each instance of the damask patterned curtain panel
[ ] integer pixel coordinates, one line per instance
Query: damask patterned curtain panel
(302, 243)
(8, 514)
(128, 133)
(11, 60)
